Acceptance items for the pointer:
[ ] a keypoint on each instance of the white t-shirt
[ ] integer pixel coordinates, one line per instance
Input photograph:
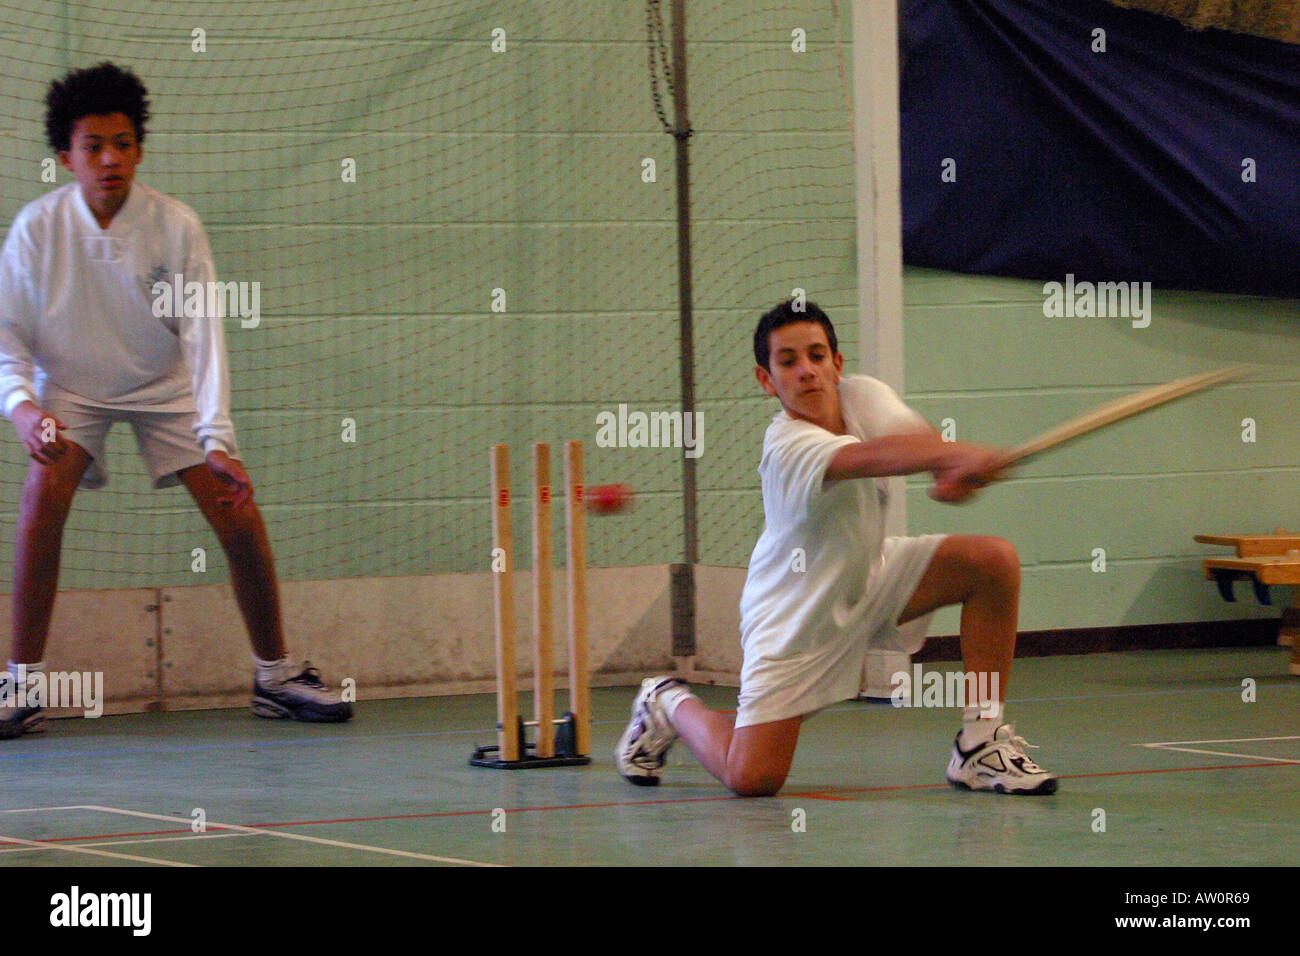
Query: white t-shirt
(811, 573)
(77, 311)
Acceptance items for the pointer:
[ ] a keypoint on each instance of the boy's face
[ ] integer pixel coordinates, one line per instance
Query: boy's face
(103, 155)
(803, 373)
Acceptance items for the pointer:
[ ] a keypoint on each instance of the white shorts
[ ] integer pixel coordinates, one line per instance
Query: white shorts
(166, 440)
(777, 689)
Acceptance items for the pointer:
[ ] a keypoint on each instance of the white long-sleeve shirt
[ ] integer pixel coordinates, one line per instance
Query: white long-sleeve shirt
(77, 311)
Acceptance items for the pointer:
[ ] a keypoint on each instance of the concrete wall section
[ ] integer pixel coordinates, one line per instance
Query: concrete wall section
(182, 648)
(111, 634)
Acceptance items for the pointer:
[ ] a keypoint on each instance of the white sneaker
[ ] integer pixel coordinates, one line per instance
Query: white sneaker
(643, 748)
(16, 721)
(999, 764)
(301, 697)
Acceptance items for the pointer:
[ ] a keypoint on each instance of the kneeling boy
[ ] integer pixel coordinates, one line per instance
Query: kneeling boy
(805, 632)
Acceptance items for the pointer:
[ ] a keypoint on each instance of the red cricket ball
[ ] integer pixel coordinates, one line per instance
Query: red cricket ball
(608, 499)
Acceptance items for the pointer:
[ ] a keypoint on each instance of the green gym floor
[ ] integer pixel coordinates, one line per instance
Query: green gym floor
(1159, 742)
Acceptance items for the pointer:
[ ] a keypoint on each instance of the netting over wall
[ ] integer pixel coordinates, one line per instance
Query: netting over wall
(445, 206)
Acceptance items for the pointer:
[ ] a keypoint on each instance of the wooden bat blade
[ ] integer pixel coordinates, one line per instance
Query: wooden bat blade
(1125, 407)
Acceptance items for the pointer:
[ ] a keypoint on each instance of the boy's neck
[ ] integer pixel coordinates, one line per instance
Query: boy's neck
(105, 214)
(833, 422)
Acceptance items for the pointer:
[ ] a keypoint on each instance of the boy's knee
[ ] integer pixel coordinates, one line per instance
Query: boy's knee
(1001, 556)
(50, 489)
(755, 782)
(237, 527)
(993, 559)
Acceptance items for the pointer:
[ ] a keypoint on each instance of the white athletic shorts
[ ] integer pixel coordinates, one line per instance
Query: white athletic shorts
(166, 440)
(780, 688)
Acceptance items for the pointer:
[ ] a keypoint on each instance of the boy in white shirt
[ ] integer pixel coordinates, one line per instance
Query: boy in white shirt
(82, 346)
(825, 585)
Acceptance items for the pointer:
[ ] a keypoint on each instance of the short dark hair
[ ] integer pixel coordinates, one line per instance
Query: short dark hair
(96, 91)
(787, 313)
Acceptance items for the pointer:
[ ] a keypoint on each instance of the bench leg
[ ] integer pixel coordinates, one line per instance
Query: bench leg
(1289, 633)
(1223, 579)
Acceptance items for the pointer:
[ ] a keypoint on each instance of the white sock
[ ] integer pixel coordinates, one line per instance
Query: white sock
(17, 683)
(270, 672)
(672, 698)
(19, 672)
(979, 724)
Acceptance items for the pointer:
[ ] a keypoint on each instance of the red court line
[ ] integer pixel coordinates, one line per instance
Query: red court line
(104, 836)
(1069, 776)
(391, 816)
(1242, 766)
(817, 796)
(833, 793)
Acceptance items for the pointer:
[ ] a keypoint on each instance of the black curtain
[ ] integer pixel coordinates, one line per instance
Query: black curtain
(1172, 157)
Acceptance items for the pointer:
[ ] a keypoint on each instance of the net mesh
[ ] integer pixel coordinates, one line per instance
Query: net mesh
(446, 207)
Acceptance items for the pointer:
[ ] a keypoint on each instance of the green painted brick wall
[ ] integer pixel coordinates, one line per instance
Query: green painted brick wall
(475, 171)
(523, 171)
(980, 351)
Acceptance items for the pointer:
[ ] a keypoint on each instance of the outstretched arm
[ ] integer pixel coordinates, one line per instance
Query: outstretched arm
(959, 468)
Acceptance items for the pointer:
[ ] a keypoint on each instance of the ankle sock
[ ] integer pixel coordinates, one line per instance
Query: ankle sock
(19, 675)
(671, 698)
(979, 724)
(38, 666)
(270, 672)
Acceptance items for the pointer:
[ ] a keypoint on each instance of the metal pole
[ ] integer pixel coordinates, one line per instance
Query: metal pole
(683, 574)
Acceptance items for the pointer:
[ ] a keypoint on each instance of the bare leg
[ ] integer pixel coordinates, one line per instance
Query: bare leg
(752, 761)
(982, 575)
(46, 500)
(242, 534)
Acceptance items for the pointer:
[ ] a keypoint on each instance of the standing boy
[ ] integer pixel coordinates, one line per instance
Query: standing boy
(825, 585)
(82, 346)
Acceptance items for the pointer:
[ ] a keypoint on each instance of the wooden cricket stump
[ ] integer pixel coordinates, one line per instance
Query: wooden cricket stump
(563, 741)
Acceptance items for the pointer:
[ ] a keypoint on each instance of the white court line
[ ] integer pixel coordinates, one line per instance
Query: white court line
(39, 845)
(1221, 753)
(1222, 740)
(264, 831)
(269, 831)
(190, 836)
(1171, 745)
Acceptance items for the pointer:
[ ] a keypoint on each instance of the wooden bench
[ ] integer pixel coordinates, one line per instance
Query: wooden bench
(1264, 560)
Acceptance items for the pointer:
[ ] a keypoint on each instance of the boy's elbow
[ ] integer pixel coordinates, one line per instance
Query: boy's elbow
(851, 461)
